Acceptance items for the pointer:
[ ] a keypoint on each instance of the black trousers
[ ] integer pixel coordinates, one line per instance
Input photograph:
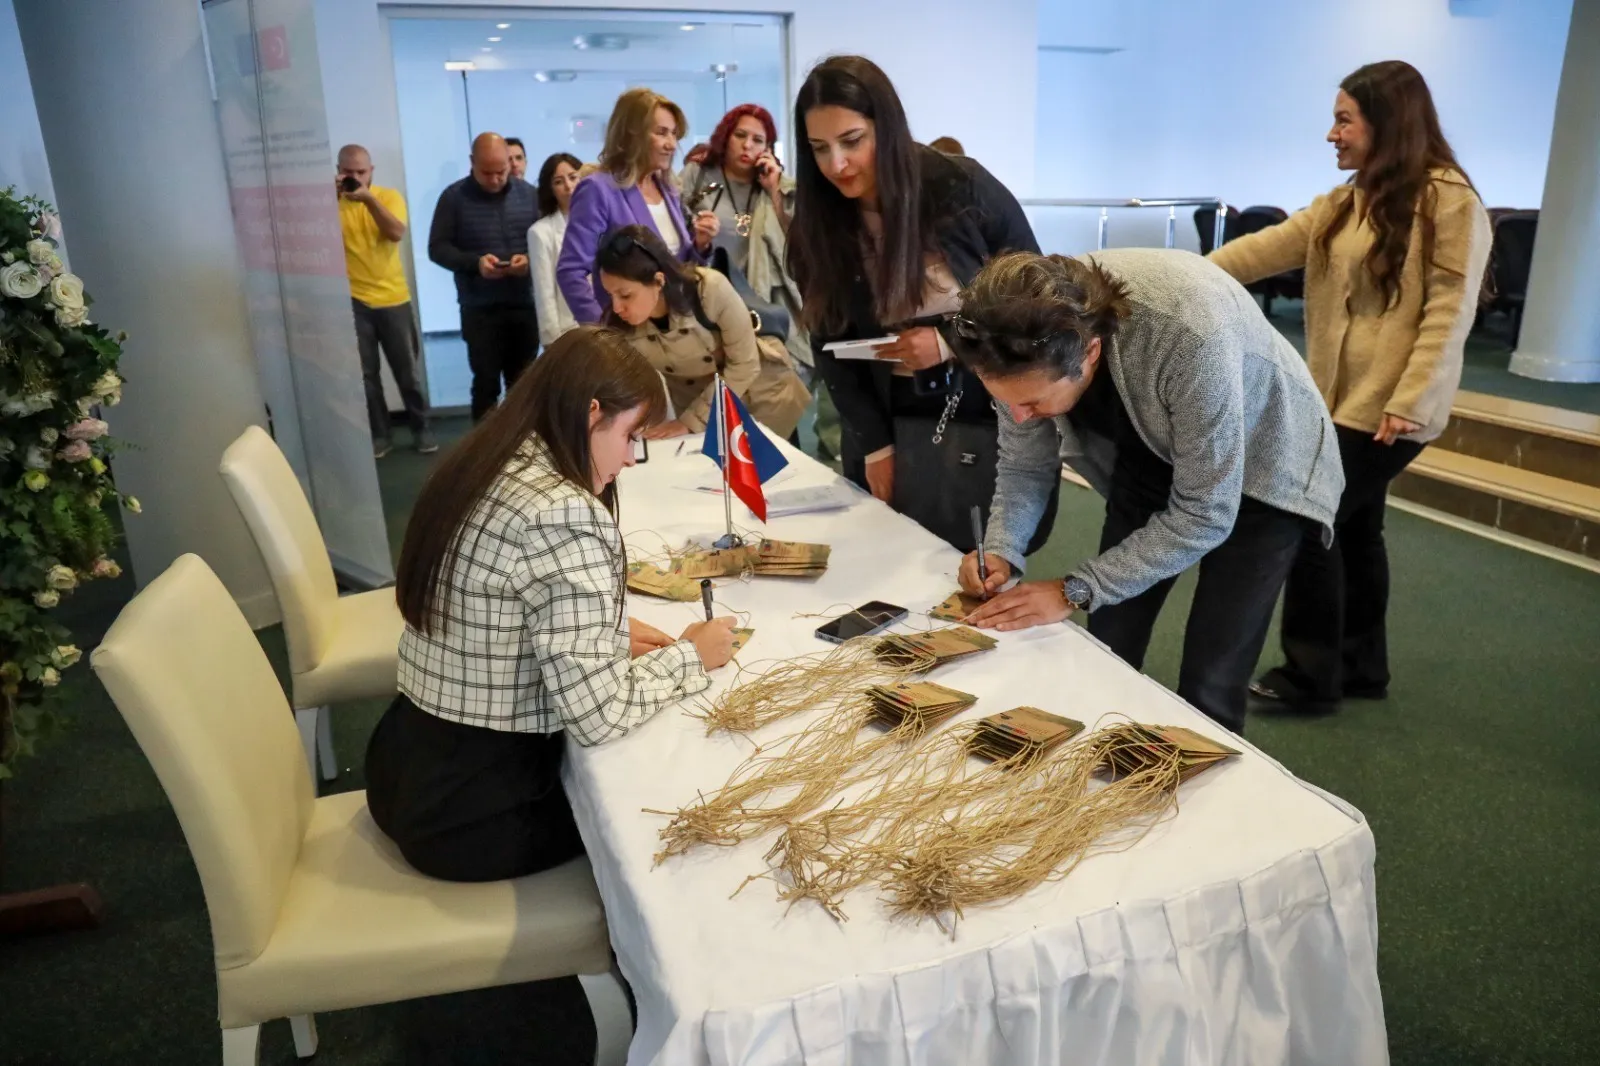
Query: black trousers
(393, 330)
(465, 803)
(1239, 584)
(501, 342)
(1336, 602)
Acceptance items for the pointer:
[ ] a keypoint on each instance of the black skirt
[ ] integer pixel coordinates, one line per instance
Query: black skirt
(466, 803)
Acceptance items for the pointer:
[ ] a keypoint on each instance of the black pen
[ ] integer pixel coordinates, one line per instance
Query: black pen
(977, 535)
(705, 595)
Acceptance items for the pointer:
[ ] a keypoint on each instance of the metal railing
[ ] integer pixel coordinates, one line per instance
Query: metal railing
(1172, 206)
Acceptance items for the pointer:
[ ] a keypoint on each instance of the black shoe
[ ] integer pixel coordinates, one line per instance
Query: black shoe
(1275, 688)
(425, 443)
(1366, 692)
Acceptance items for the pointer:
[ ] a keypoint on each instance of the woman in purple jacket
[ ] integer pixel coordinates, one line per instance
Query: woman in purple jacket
(632, 187)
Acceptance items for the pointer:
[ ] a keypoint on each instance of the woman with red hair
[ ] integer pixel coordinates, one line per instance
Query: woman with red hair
(739, 179)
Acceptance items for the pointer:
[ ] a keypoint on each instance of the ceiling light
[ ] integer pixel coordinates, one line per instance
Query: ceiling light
(502, 25)
(687, 26)
(601, 42)
(494, 40)
(555, 75)
(460, 64)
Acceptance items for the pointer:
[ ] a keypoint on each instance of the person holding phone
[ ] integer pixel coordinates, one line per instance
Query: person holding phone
(512, 585)
(372, 220)
(886, 231)
(480, 234)
(632, 186)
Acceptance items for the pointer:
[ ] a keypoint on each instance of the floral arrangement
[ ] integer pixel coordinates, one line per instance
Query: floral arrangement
(57, 369)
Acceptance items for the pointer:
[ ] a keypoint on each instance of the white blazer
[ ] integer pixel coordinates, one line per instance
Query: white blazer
(544, 248)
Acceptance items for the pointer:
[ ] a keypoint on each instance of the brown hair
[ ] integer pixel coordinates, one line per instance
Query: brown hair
(1407, 143)
(550, 401)
(626, 155)
(1036, 312)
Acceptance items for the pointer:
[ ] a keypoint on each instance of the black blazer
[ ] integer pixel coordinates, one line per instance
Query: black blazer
(981, 219)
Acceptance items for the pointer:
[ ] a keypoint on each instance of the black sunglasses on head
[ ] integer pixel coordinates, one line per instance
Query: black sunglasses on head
(972, 332)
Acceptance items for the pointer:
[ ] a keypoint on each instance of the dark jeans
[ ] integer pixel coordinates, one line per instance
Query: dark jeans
(393, 330)
(501, 342)
(1239, 583)
(1336, 602)
(466, 803)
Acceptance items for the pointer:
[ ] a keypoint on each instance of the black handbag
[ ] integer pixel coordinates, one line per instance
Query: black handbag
(770, 319)
(943, 468)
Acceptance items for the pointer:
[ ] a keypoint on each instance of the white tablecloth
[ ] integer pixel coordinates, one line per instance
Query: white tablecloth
(1242, 931)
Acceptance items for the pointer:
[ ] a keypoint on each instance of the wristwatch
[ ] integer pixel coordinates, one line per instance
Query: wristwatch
(1077, 591)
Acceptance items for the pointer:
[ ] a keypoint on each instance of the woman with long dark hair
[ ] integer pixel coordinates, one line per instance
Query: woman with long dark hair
(737, 177)
(633, 184)
(886, 233)
(511, 582)
(1393, 259)
(557, 178)
(691, 325)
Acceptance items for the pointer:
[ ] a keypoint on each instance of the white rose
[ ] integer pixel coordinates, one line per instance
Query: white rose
(113, 398)
(65, 655)
(49, 677)
(20, 281)
(50, 225)
(47, 598)
(8, 257)
(105, 383)
(71, 316)
(39, 251)
(85, 406)
(66, 291)
(61, 577)
(49, 434)
(36, 459)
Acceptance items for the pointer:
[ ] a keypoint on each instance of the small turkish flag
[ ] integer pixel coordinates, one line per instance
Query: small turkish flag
(752, 458)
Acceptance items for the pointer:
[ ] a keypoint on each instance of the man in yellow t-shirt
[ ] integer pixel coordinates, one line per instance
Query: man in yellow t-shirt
(373, 219)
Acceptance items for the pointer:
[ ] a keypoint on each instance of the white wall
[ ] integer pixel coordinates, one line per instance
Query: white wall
(969, 77)
(22, 159)
(1232, 98)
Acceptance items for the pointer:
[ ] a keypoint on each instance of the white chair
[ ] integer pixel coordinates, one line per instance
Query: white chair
(340, 648)
(311, 906)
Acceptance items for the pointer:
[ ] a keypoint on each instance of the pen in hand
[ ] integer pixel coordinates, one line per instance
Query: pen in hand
(705, 595)
(977, 535)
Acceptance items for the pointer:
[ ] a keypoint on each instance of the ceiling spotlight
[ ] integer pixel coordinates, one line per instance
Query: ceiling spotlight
(460, 64)
(601, 42)
(494, 40)
(687, 26)
(502, 25)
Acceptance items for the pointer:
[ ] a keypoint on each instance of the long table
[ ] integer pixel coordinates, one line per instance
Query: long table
(1242, 931)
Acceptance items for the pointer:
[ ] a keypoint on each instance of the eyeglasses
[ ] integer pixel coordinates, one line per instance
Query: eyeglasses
(971, 332)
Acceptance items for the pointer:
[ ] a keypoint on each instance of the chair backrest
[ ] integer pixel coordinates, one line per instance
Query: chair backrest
(202, 701)
(1511, 255)
(1205, 223)
(279, 516)
(1259, 217)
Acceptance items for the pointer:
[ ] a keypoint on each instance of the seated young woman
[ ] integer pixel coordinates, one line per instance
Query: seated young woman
(691, 325)
(511, 581)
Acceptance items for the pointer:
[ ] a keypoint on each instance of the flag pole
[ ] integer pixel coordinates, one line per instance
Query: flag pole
(730, 539)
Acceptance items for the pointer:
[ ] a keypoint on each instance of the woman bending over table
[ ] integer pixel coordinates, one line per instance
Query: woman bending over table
(690, 323)
(511, 582)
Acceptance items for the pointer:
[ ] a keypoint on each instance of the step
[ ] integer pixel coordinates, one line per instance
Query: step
(1554, 511)
(1544, 440)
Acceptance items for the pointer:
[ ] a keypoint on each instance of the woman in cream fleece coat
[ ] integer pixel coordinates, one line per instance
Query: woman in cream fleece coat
(1393, 262)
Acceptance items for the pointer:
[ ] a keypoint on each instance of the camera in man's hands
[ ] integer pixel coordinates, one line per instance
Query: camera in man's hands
(349, 184)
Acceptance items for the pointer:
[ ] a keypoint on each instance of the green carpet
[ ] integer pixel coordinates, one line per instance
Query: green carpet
(1477, 775)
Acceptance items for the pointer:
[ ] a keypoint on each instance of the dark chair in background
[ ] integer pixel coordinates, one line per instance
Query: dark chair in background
(1510, 262)
(1205, 222)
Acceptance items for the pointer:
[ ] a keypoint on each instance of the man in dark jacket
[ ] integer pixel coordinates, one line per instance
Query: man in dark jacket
(480, 233)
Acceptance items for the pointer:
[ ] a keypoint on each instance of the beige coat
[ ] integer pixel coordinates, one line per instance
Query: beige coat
(1370, 359)
(688, 356)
